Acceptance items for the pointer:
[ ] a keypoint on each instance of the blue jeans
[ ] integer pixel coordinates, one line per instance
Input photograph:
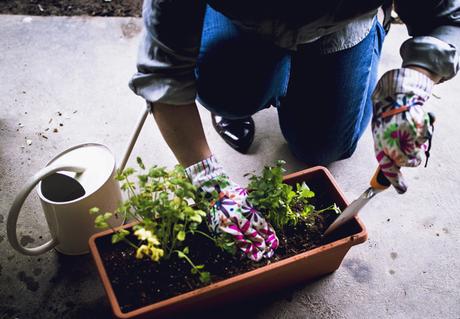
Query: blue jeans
(323, 100)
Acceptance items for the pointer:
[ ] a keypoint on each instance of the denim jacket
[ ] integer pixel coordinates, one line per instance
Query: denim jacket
(172, 33)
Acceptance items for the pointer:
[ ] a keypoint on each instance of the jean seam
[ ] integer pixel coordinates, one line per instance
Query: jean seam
(285, 84)
(357, 131)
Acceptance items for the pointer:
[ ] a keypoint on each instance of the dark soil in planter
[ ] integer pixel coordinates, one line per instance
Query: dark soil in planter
(138, 283)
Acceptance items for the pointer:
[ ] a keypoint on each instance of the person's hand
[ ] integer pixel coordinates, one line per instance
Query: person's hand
(400, 126)
(231, 213)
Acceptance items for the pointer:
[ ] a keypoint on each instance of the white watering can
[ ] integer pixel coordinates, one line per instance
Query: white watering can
(74, 181)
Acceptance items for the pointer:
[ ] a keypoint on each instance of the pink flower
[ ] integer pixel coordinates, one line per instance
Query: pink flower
(406, 143)
(242, 191)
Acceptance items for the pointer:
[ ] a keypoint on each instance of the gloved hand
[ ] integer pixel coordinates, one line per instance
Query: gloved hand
(400, 126)
(231, 213)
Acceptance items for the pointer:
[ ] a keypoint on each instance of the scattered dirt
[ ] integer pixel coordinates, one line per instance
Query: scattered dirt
(359, 270)
(138, 283)
(130, 29)
(105, 8)
(25, 240)
(30, 282)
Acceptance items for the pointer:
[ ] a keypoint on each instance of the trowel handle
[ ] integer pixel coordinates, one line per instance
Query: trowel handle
(19, 201)
(379, 181)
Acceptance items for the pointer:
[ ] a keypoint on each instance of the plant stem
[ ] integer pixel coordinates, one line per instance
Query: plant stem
(205, 235)
(130, 187)
(189, 261)
(332, 207)
(130, 243)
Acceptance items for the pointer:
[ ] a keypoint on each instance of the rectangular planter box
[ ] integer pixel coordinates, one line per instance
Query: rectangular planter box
(288, 272)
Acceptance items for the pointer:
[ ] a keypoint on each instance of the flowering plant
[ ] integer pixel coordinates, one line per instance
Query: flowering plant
(161, 203)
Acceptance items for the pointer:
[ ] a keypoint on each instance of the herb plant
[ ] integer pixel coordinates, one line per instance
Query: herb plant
(169, 208)
(280, 203)
(161, 203)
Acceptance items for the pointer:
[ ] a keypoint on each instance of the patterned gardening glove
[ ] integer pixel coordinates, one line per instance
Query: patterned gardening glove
(400, 126)
(231, 213)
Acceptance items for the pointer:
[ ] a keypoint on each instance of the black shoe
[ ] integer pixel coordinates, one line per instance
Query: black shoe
(239, 134)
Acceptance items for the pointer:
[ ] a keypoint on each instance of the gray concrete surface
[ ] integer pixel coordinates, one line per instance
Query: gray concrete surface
(79, 68)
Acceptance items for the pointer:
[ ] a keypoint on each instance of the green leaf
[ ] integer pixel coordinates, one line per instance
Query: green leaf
(196, 218)
(181, 235)
(181, 254)
(186, 250)
(100, 222)
(194, 271)
(140, 163)
(201, 213)
(120, 177)
(129, 171)
(94, 210)
(205, 277)
(119, 236)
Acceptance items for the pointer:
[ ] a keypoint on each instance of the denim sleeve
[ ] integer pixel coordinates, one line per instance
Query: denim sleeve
(435, 29)
(168, 50)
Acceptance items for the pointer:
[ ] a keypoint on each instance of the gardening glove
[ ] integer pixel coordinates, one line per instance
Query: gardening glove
(400, 127)
(231, 213)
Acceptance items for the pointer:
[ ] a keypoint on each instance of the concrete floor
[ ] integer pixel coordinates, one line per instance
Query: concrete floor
(74, 71)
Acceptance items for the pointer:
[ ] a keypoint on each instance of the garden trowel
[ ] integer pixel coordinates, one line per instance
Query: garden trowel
(378, 184)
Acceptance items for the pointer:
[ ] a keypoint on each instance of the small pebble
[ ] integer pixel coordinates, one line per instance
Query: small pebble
(29, 142)
(55, 130)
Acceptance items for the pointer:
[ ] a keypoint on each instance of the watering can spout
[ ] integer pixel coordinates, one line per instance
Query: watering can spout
(134, 136)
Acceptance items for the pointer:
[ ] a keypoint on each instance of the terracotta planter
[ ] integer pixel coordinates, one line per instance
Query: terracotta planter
(278, 275)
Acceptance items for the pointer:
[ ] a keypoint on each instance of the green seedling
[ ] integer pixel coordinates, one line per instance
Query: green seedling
(161, 203)
(280, 202)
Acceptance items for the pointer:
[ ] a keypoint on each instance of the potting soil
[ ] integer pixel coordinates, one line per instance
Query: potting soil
(138, 283)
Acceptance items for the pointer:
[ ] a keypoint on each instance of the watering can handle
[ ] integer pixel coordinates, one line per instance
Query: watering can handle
(19, 201)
